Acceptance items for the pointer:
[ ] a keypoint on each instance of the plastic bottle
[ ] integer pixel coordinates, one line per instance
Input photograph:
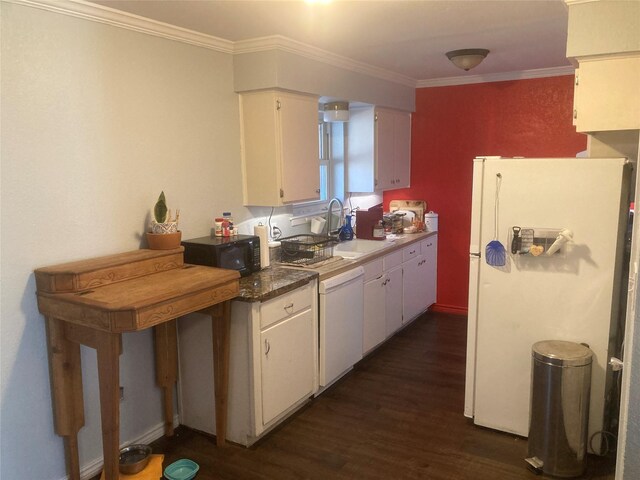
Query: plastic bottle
(227, 224)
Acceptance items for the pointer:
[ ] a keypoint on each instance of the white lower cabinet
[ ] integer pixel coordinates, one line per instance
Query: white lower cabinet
(393, 297)
(429, 249)
(419, 272)
(286, 363)
(374, 326)
(392, 264)
(273, 366)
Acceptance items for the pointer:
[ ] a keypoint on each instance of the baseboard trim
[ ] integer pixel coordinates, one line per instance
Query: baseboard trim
(94, 467)
(453, 309)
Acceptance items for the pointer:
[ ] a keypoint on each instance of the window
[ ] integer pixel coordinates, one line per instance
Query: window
(331, 163)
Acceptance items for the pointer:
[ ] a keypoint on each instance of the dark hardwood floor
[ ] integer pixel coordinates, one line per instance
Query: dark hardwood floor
(397, 415)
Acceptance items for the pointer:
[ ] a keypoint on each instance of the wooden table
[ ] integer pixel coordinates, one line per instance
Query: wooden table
(93, 302)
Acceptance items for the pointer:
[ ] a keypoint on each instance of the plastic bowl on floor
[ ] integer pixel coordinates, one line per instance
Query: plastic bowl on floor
(183, 469)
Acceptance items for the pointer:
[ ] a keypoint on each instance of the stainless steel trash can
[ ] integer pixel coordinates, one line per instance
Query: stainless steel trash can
(558, 422)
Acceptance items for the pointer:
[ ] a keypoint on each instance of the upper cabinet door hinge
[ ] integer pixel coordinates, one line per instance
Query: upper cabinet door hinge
(281, 193)
(278, 105)
(375, 117)
(577, 80)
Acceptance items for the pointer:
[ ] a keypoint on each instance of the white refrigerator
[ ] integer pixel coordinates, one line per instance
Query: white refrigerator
(572, 294)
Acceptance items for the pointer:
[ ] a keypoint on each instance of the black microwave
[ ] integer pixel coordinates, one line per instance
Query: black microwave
(239, 252)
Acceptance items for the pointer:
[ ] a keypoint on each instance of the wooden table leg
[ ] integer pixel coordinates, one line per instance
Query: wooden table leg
(166, 348)
(66, 391)
(221, 325)
(108, 350)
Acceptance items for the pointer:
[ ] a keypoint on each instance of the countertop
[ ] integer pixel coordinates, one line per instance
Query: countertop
(278, 279)
(396, 243)
(271, 282)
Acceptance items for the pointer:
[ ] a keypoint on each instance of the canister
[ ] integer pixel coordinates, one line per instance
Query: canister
(217, 226)
(431, 221)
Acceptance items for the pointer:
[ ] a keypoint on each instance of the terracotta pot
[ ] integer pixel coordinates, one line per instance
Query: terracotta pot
(164, 241)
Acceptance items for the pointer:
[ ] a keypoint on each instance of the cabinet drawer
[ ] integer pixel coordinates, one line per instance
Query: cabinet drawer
(285, 305)
(392, 260)
(372, 269)
(410, 252)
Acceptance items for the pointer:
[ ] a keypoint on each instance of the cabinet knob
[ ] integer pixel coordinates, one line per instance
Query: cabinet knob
(267, 347)
(575, 113)
(289, 307)
(317, 190)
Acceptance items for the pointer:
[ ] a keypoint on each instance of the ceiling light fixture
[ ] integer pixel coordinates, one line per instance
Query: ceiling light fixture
(467, 58)
(336, 112)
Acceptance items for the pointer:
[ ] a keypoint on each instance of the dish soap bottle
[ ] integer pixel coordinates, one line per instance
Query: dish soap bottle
(346, 232)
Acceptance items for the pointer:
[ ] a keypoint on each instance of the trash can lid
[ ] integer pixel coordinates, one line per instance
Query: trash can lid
(562, 353)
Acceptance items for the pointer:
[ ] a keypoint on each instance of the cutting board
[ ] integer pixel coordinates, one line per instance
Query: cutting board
(418, 207)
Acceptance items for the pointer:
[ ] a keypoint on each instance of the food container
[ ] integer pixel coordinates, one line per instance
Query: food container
(217, 226)
(431, 221)
(134, 458)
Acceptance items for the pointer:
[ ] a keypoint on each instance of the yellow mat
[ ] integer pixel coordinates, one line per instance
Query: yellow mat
(153, 470)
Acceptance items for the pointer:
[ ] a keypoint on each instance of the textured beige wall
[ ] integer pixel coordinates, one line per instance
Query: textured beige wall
(96, 121)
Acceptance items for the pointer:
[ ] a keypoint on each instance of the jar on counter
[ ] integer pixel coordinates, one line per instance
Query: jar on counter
(378, 230)
(217, 226)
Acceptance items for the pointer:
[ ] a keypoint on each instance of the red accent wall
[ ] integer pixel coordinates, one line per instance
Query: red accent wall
(451, 126)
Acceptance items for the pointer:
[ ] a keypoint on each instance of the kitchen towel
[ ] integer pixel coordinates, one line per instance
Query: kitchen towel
(260, 231)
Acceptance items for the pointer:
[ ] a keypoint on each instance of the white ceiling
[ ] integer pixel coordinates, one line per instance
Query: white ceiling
(406, 37)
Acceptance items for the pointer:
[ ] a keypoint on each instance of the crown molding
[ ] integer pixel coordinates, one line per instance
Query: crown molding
(109, 16)
(117, 18)
(496, 77)
(574, 2)
(284, 44)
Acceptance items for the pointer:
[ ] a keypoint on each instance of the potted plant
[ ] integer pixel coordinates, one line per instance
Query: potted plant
(163, 233)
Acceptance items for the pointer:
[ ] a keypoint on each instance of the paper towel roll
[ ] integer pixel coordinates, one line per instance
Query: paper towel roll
(260, 231)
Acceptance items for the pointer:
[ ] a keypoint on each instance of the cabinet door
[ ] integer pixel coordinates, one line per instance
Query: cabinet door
(385, 149)
(287, 361)
(402, 161)
(393, 300)
(261, 180)
(299, 147)
(429, 250)
(279, 141)
(374, 325)
(360, 148)
(607, 96)
(412, 289)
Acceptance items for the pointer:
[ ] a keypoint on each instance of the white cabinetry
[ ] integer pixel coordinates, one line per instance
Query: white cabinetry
(286, 362)
(374, 326)
(379, 149)
(419, 272)
(429, 251)
(606, 94)
(273, 364)
(279, 138)
(393, 291)
(603, 39)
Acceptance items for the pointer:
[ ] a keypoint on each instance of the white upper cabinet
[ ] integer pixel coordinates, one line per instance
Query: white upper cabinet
(606, 96)
(379, 149)
(279, 136)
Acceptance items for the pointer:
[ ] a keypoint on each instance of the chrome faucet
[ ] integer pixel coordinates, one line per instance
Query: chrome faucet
(328, 219)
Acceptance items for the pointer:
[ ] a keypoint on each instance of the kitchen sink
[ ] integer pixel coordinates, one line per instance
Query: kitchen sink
(359, 247)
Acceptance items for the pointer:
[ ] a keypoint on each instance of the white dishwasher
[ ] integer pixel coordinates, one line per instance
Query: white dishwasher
(341, 318)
